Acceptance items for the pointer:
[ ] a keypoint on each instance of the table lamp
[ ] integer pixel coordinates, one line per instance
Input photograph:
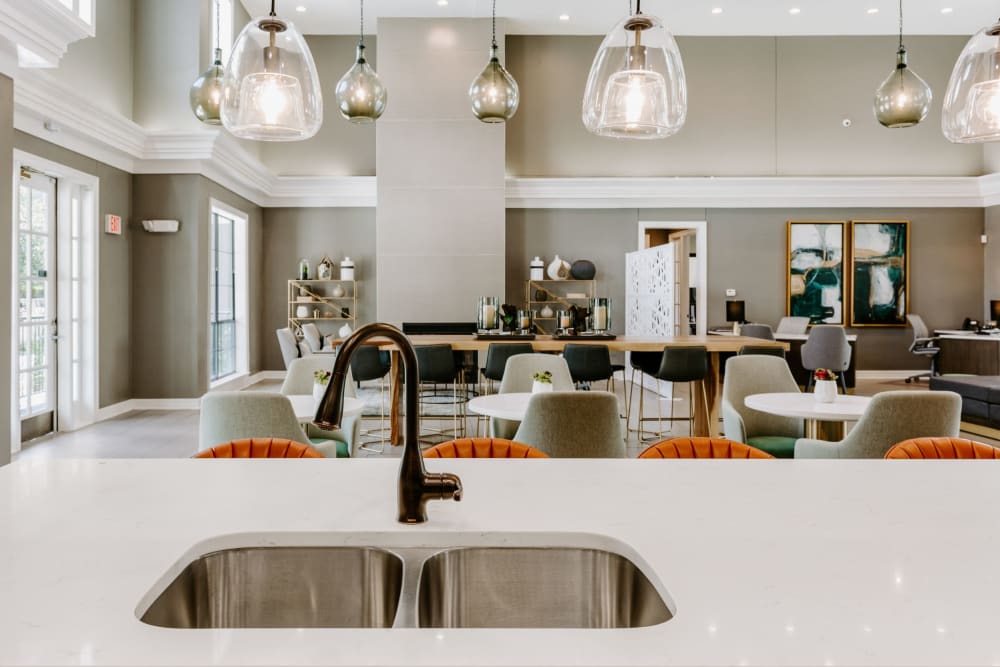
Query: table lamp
(736, 313)
(995, 311)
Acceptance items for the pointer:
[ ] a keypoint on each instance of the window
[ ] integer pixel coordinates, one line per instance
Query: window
(82, 9)
(222, 27)
(228, 300)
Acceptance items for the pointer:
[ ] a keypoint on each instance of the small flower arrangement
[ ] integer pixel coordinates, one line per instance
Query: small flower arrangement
(322, 377)
(821, 374)
(545, 377)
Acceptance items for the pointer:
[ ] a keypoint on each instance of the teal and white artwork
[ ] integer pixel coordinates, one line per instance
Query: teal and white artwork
(880, 260)
(815, 285)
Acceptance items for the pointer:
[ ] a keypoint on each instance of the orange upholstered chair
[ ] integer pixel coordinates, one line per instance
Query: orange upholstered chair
(702, 448)
(261, 448)
(483, 448)
(942, 448)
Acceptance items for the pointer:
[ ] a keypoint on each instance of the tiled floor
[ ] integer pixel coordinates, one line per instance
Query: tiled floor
(174, 433)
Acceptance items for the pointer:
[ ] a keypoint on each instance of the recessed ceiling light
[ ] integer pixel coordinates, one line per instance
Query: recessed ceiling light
(564, 17)
(442, 3)
(873, 10)
(716, 10)
(300, 8)
(947, 10)
(794, 10)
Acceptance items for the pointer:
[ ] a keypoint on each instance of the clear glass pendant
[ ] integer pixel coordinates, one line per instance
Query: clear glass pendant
(494, 93)
(206, 92)
(271, 90)
(361, 96)
(903, 99)
(636, 88)
(971, 111)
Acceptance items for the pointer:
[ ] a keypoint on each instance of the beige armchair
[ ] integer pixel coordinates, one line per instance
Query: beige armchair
(759, 374)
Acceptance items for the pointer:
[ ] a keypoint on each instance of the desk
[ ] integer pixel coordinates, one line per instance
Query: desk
(967, 352)
(704, 424)
(824, 421)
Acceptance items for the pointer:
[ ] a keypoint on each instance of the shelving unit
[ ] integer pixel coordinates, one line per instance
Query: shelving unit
(556, 292)
(318, 294)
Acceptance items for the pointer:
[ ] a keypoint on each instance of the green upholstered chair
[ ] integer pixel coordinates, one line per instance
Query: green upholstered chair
(299, 380)
(517, 378)
(891, 417)
(759, 374)
(236, 415)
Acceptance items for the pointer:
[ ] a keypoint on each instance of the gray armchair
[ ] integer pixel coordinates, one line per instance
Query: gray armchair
(759, 374)
(762, 331)
(891, 417)
(827, 347)
(574, 424)
(290, 349)
(299, 380)
(517, 379)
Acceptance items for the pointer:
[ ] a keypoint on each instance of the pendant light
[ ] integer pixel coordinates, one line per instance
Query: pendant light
(636, 88)
(494, 93)
(903, 99)
(271, 90)
(971, 111)
(360, 93)
(206, 91)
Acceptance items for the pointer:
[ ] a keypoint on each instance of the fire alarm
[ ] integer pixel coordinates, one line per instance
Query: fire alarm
(847, 122)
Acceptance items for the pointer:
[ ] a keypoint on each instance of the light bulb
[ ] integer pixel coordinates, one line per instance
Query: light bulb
(634, 100)
(274, 100)
(986, 107)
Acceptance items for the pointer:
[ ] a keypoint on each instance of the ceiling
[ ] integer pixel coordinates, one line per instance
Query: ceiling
(683, 17)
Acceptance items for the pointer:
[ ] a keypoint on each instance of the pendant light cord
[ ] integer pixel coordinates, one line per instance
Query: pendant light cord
(900, 24)
(361, 37)
(218, 19)
(272, 9)
(494, 24)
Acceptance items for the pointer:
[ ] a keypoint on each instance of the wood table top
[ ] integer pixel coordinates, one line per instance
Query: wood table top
(463, 342)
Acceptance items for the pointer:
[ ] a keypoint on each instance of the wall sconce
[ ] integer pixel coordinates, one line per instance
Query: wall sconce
(161, 226)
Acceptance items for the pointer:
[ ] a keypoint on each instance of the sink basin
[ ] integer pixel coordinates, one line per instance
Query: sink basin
(560, 587)
(283, 587)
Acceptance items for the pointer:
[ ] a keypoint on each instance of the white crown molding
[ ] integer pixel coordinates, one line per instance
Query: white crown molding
(337, 191)
(43, 29)
(989, 187)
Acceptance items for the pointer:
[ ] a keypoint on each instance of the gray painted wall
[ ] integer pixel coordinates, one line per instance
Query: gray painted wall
(102, 65)
(441, 191)
(758, 106)
(991, 274)
(747, 249)
(340, 148)
(115, 316)
(167, 61)
(170, 285)
(6, 234)
(293, 233)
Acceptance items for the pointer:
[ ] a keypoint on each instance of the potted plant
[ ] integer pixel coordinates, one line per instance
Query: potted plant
(320, 380)
(542, 381)
(826, 385)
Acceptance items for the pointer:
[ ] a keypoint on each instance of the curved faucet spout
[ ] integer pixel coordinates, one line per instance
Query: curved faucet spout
(416, 485)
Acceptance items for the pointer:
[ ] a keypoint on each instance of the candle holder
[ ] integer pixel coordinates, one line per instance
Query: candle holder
(488, 315)
(564, 320)
(525, 320)
(600, 314)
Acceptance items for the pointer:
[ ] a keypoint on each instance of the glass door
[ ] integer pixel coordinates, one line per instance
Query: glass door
(36, 298)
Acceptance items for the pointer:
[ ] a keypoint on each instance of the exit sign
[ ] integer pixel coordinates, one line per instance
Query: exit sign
(113, 224)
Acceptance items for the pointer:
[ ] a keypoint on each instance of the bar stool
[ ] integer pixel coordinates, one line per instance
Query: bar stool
(679, 364)
(589, 363)
(436, 365)
(370, 363)
(645, 363)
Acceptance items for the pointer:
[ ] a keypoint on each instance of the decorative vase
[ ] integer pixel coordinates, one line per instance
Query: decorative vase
(583, 269)
(559, 269)
(319, 390)
(324, 270)
(546, 312)
(537, 268)
(347, 269)
(826, 391)
(302, 311)
(540, 387)
(337, 291)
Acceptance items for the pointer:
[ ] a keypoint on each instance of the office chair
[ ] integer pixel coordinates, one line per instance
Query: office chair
(923, 345)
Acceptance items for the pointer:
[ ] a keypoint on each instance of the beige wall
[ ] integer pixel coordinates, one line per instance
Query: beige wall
(170, 298)
(102, 65)
(758, 106)
(747, 250)
(6, 235)
(293, 233)
(114, 316)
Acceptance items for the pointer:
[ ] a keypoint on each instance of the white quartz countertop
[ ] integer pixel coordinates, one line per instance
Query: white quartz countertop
(766, 562)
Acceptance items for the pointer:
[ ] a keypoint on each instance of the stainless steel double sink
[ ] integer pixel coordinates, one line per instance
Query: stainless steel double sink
(371, 586)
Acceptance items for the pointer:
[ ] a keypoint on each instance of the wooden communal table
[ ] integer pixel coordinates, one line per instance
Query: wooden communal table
(704, 424)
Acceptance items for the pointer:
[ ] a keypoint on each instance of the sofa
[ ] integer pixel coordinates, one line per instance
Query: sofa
(980, 396)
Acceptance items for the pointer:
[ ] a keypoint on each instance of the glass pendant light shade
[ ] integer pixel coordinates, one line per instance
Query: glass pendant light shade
(360, 93)
(271, 90)
(494, 93)
(206, 93)
(903, 99)
(636, 88)
(971, 111)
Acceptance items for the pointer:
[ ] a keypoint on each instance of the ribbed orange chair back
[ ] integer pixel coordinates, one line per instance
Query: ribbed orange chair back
(483, 448)
(942, 448)
(261, 448)
(702, 448)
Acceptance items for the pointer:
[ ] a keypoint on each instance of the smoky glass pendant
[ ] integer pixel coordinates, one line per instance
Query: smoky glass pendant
(361, 97)
(206, 93)
(903, 99)
(494, 93)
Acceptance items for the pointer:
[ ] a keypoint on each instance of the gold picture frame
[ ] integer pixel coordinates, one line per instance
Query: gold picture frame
(880, 273)
(816, 275)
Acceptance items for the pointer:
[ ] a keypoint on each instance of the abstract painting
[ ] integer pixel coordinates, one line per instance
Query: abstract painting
(880, 259)
(815, 287)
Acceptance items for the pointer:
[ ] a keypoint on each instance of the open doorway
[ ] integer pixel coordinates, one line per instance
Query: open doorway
(54, 283)
(690, 243)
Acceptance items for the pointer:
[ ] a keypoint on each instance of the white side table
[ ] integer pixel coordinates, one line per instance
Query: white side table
(824, 421)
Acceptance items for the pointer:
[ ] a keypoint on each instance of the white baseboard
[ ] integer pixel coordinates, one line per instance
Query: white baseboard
(118, 409)
(887, 375)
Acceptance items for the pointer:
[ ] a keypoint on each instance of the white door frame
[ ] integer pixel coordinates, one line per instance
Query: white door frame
(82, 412)
(701, 248)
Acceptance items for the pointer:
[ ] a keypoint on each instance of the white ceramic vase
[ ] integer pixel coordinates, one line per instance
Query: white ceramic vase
(540, 387)
(826, 391)
(559, 269)
(318, 391)
(302, 311)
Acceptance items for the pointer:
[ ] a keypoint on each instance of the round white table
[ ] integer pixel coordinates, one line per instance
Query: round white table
(511, 406)
(824, 421)
(305, 406)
